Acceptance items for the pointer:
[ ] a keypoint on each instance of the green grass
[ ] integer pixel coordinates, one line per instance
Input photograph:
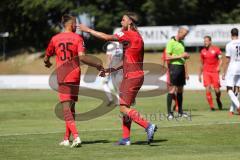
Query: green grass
(29, 129)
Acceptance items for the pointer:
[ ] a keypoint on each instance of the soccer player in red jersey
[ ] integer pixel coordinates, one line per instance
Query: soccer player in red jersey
(69, 50)
(166, 63)
(133, 75)
(210, 68)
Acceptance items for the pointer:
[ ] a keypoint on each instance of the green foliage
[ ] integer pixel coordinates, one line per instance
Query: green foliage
(33, 22)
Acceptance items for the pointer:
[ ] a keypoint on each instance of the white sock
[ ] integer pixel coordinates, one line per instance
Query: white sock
(233, 98)
(107, 91)
(232, 107)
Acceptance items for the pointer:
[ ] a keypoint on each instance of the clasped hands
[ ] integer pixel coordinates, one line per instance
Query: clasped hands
(104, 72)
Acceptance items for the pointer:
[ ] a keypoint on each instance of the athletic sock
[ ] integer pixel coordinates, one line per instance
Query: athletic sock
(218, 99)
(209, 99)
(180, 100)
(170, 97)
(69, 120)
(67, 132)
(233, 98)
(126, 126)
(136, 117)
(232, 107)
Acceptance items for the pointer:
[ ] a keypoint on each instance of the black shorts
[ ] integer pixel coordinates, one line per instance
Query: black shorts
(177, 75)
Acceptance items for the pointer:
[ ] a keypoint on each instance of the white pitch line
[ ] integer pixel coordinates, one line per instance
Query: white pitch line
(109, 129)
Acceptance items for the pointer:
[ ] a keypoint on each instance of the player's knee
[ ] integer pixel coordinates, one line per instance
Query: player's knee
(180, 89)
(208, 88)
(171, 89)
(123, 109)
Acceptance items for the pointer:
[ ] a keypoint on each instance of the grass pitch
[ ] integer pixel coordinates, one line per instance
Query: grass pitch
(29, 129)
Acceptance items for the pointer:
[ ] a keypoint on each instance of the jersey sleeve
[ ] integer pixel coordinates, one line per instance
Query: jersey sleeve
(169, 48)
(50, 49)
(228, 53)
(121, 36)
(81, 45)
(219, 52)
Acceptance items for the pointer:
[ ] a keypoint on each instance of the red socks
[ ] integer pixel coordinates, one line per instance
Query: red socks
(126, 126)
(67, 130)
(209, 99)
(70, 123)
(135, 116)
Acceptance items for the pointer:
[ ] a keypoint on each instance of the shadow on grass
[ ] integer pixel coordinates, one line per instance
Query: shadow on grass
(96, 141)
(154, 143)
(223, 109)
(196, 115)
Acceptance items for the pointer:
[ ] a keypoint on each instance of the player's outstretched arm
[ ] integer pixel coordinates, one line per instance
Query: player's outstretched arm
(97, 34)
(90, 61)
(115, 68)
(112, 69)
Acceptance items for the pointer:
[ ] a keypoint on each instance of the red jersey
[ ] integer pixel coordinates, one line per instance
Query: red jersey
(210, 58)
(133, 53)
(66, 46)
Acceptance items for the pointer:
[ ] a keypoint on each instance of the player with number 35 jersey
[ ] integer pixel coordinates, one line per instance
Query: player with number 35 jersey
(69, 50)
(66, 45)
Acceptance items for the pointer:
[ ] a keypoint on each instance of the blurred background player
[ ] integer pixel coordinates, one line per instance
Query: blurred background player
(177, 56)
(232, 69)
(233, 107)
(211, 61)
(114, 56)
(133, 75)
(69, 50)
(166, 64)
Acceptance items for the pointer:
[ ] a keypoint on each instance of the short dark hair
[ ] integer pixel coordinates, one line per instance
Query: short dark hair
(66, 18)
(234, 32)
(208, 37)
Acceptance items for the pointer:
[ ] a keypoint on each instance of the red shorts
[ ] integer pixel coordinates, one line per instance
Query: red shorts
(129, 89)
(211, 79)
(68, 91)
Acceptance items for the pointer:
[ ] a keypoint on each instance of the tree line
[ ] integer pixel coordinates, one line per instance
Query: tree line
(33, 22)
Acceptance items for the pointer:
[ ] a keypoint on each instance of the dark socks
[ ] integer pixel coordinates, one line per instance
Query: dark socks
(170, 97)
(218, 95)
(180, 100)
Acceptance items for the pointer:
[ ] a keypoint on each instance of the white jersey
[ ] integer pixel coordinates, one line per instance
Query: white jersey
(233, 51)
(116, 50)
